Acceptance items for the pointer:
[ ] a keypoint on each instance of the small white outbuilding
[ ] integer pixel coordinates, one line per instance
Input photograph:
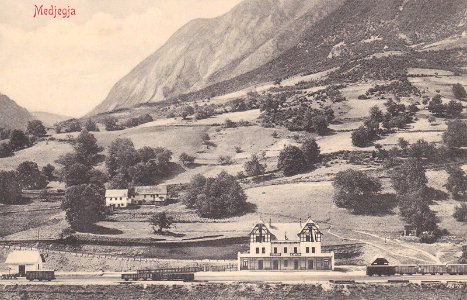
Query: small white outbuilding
(21, 261)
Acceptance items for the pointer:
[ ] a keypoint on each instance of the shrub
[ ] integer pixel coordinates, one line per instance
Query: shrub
(5, 150)
(18, 140)
(459, 91)
(311, 152)
(229, 123)
(455, 135)
(291, 161)
(36, 128)
(362, 137)
(409, 177)
(111, 124)
(457, 182)
(186, 159)
(225, 160)
(161, 221)
(460, 213)
(238, 149)
(90, 125)
(254, 167)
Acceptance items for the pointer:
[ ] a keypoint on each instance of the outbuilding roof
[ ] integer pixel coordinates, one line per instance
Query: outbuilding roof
(116, 193)
(151, 190)
(24, 257)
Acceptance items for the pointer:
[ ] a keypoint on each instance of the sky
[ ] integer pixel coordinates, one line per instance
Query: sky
(68, 65)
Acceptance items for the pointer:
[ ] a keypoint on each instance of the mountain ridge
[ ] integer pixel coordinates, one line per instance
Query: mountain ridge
(12, 115)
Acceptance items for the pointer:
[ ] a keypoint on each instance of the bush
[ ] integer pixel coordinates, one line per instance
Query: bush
(225, 160)
(409, 177)
(459, 91)
(455, 135)
(460, 213)
(362, 137)
(90, 125)
(229, 123)
(161, 221)
(291, 161)
(254, 167)
(18, 140)
(111, 124)
(311, 152)
(36, 128)
(5, 150)
(238, 149)
(29, 176)
(186, 159)
(457, 182)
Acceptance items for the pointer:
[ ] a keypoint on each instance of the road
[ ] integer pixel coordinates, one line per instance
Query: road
(292, 277)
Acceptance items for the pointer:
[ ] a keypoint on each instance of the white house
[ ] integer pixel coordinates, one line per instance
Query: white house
(286, 246)
(156, 195)
(117, 198)
(21, 261)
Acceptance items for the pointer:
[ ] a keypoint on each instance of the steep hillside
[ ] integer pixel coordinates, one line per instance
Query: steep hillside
(12, 115)
(207, 51)
(49, 119)
(359, 29)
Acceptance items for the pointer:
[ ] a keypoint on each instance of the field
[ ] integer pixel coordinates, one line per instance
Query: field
(281, 199)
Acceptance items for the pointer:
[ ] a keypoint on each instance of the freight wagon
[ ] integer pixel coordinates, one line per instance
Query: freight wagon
(381, 267)
(40, 275)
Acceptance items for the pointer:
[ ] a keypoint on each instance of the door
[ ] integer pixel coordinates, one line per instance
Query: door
(326, 265)
(22, 270)
(275, 265)
(260, 264)
(295, 264)
(310, 265)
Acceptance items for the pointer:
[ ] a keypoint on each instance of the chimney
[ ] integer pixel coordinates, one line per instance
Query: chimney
(300, 222)
(270, 223)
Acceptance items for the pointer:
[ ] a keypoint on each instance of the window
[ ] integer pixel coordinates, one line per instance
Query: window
(285, 249)
(263, 250)
(275, 249)
(245, 263)
(307, 249)
(313, 250)
(257, 250)
(295, 250)
(307, 238)
(286, 263)
(121, 198)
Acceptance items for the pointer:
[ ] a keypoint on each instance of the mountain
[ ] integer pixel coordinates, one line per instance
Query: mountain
(49, 119)
(259, 41)
(361, 29)
(12, 115)
(208, 51)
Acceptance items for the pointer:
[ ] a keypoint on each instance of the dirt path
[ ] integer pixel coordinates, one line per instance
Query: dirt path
(390, 251)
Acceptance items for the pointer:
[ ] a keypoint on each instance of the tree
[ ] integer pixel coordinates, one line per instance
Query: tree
(403, 144)
(362, 137)
(86, 148)
(311, 152)
(36, 128)
(453, 109)
(436, 106)
(161, 221)
(415, 211)
(197, 183)
(111, 124)
(84, 205)
(320, 124)
(357, 191)
(376, 115)
(90, 125)
(10, 190)
(119, 181)
(5, 150)
(29, 176)
(186, 111)
(186, 159)
(460, 213)
(48, 172)
(409, 177)
(121, 156)
(457, 182)
(291, 161)
(459, 91)
(254, 167)
(18, 140)
(76, 174)
(218, 197)
(455, 135)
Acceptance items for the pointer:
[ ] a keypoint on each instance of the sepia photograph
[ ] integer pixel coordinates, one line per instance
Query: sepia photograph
(233, 149)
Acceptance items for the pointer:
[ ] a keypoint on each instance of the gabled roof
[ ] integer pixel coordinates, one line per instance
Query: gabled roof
(24, 257)
(152, 189)
(116, 193)
(287, 231)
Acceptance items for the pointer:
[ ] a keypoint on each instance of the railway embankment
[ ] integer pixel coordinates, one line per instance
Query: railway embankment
(428, 290)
